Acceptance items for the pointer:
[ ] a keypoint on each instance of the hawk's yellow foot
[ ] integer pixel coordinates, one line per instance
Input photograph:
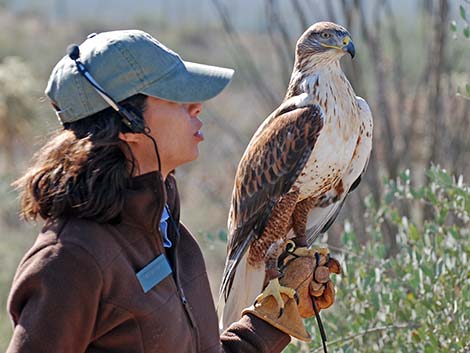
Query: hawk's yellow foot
(310, 252)
(322, 255)
(275, 290)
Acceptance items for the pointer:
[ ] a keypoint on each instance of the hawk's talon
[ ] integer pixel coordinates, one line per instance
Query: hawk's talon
(281, 311)
(317, 258)
(296, 297)
(275, 290)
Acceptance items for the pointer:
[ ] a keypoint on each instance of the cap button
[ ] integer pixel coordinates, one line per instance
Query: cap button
(91, 35)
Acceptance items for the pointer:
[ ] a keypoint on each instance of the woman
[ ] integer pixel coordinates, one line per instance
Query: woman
(113, 269)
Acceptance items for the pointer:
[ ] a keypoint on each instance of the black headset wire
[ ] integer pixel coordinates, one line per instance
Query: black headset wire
(147, 133)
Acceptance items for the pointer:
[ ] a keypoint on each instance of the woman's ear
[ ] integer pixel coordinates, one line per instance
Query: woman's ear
(130, 137)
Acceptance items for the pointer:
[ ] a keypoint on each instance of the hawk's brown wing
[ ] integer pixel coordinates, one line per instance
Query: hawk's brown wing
(267, 170)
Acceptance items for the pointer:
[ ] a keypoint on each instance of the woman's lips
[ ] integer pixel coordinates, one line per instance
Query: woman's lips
(198, 134)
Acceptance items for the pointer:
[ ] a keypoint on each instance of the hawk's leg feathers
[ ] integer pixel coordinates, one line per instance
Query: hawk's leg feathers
(277, 227)
(299, 220)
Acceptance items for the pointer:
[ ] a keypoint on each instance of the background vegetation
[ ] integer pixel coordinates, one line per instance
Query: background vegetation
(405, 251)
(417, 300)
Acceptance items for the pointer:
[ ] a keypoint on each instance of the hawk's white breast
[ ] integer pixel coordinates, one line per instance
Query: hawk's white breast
(339, 138)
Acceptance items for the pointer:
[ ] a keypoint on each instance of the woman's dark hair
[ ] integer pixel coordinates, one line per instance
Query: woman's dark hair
(83, 170)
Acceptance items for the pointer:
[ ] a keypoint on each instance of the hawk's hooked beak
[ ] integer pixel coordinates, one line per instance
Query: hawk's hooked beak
(348, 46)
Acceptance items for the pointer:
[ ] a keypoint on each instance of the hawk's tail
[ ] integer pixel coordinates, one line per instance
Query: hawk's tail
(246, 285)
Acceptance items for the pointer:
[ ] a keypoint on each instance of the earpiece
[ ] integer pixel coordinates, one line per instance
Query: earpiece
(132, 119)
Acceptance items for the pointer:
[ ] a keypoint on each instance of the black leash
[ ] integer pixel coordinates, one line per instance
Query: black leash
(290, 251)
(320, 325)
(317, 312)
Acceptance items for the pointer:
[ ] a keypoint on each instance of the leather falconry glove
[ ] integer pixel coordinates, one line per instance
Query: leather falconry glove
(309, 275)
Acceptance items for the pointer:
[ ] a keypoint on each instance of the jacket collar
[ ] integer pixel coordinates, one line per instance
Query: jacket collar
(145, 198)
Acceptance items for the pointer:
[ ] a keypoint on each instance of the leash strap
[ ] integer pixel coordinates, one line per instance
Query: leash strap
(320, 325)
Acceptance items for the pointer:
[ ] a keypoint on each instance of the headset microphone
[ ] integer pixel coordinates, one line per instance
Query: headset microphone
(129, 118)
(73, 51)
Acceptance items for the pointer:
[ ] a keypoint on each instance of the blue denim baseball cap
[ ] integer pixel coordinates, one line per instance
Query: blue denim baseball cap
(126, 63)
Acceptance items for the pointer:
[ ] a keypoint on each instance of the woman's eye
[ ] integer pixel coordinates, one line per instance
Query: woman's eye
(325, 35)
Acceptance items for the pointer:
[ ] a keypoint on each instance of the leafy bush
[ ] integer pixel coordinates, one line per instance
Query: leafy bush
(418, 300)
(465, 28)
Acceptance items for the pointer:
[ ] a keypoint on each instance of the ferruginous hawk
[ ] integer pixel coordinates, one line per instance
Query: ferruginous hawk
(298, 167)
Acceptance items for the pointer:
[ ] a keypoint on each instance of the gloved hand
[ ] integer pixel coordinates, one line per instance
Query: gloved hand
(309, 275)
(318, 286)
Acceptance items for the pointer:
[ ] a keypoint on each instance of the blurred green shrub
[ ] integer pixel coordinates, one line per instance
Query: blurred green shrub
(466, 22)
(465, 29)
(418, 300)
(19, 92)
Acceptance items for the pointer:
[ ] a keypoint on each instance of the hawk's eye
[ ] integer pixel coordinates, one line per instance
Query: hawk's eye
(325, 35)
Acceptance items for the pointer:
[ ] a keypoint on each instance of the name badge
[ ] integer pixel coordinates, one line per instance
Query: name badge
(154, 273)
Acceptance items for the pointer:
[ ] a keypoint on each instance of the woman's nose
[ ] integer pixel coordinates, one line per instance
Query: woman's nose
(195, 109)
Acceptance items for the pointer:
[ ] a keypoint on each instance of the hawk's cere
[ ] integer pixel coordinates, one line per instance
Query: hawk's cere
(298, 167)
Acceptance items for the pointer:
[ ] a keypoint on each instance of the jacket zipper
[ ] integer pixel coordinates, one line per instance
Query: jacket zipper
(179, 288)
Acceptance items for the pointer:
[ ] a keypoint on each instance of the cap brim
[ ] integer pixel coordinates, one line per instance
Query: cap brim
(190, 82)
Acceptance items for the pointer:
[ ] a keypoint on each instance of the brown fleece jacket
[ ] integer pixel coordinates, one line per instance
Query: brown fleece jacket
(76, 289)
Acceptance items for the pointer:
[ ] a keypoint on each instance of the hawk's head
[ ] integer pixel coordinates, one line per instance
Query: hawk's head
(325, 40)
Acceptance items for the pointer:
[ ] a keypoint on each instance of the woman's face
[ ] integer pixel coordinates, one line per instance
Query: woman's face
(177, 130)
